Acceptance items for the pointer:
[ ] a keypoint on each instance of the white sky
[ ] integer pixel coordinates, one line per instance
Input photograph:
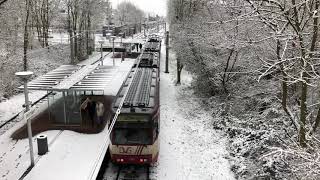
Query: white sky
(150, 6)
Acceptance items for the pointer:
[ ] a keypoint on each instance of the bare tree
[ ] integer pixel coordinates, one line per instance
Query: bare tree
(295, 25)
(26, 35)
(40, 14)
(81, 21)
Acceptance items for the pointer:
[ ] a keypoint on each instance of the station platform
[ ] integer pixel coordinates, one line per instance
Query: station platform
(71, 155)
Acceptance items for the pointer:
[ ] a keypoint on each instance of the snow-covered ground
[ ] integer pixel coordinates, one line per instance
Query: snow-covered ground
(189, 146)
(11, 107)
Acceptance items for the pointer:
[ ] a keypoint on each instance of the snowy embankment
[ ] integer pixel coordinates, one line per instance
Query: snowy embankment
(189, 146)
(11, 107)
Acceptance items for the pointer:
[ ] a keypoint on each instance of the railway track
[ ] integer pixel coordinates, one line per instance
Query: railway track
(131, 172)
(43, 98)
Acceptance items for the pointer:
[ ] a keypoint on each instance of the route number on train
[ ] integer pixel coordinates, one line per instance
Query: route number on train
(125, 150)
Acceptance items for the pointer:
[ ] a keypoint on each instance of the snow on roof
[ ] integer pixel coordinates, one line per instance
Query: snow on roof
(98, 79)
(106, 78)
(67, 83)
(52, 78)
(24, 74)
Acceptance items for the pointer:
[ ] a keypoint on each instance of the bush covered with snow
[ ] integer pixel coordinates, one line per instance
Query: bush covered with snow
(261, 85)
(262, 140)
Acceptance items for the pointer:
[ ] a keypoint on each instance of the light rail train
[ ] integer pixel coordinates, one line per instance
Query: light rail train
(135, 136)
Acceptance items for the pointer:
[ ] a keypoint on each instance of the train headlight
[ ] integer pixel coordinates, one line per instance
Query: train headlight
(141, 160)
(145, 160)
(121, 160)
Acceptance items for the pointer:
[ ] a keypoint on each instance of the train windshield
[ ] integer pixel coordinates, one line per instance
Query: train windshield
(132, 136)
(132, 118)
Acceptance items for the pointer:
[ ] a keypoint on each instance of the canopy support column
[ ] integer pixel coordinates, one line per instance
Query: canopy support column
(64, 108)
(49, 111)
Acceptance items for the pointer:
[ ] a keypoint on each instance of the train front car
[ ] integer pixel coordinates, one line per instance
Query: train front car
(153, 44)
(134, 139)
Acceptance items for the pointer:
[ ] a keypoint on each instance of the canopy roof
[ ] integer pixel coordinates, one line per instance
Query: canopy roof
(83, 78)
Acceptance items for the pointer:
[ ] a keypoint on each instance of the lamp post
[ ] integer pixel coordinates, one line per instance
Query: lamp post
(101, 41)
(113, 37)
(167, 52)
(24, 76)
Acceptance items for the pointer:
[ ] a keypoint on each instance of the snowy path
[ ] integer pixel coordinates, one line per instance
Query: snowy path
(189, 146)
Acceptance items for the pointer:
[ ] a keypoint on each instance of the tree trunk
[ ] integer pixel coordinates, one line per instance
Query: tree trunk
(26, 36)
(303, 113)
(46, 25)
(75, 44)
(91, 41)
(317, 121)
(87, 34)
(226, 69)
(72, 59)
(179, 69)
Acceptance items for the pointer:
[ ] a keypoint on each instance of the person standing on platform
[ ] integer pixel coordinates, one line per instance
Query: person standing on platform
(140, 46)
(122, 56)
(91, 106)
(100, 112)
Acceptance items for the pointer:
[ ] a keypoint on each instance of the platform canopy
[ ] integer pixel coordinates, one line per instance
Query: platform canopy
(53, 78)
(98, 79)
(106, 79)
(134, 41)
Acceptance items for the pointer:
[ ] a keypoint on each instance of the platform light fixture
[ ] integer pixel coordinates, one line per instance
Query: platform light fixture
(25, 76)
(113, 38)
(101, 41)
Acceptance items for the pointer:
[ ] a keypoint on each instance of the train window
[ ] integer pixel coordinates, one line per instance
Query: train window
(155, 127)
(155, 130)
(133, 118)
(132, 136)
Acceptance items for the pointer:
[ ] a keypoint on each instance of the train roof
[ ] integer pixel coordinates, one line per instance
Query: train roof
(152, 46)
(149, 59)
(154, 38)
(142, 95)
